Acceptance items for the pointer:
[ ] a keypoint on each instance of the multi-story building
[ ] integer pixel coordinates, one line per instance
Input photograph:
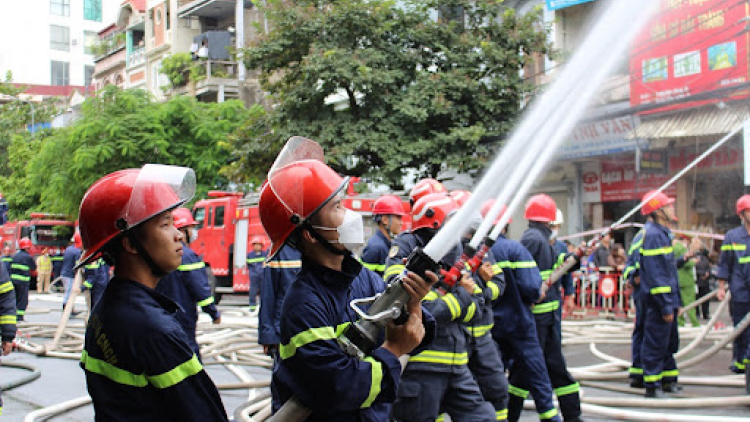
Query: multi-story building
(50, 42)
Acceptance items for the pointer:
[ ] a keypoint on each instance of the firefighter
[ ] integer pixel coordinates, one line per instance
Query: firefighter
(514, 330)
(7, 318)
(662, 298)
(461, 196)
(138, 363)
(189, 286)
(484, 357)
(561, 252)
(632, 276)
(57, 261)
(734, 270)
(255, 260)
(22, 269)
(70, 257)
(7, 258)
(278, 275)
(95, 279)
(387, 213)
(425, 187)
(438, 379)
(302, 204)
(540, 212)
(44, 274)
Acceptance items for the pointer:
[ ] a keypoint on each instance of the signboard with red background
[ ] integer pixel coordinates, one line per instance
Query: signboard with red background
(690, 47)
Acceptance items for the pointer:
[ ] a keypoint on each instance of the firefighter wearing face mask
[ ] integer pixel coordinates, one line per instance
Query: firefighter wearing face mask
(541, 210)
(387, 212)
(660, 286)
(438, 379)
(302, 205)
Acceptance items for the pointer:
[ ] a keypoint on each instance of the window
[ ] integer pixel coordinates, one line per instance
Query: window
(219, 217)
(60, 73)
(59, 38)
(200, 215)
(59, 7)
(90, 39)
(88, 74)
(92, 10)
(210, 215)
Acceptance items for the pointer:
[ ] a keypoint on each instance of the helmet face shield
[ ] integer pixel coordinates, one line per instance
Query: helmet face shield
(157, 188)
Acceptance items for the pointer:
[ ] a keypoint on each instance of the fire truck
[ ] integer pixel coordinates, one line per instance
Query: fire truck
(48, 232)
(228, 220)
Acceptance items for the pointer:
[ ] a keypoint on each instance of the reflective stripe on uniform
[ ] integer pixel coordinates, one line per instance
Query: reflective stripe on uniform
(542, 308)
(8, 319)
(168, 379)
(6, 287)
(518, 392)
(734, 247)
(192, 267)
(394, 270)
(568, 389)
(21, 312)
(10, 259)
(87, 284)
(739, 365)
(470, 312)
(545, 274)
(744, 260)
(374, 267)
(286, 351)
(548, 414)
(674, 373)
(207, 301)
(285, 264)
(445, 358)
(256, 260)
(517, 264)
(21, 267)
(20, 277)
(94, 265)
(652, 378)
(453, 305)
(661, 289)
(659, 251)
(480, 330)
(494, 288)
(636, 371)
(376, 379)
(501, 415)
(430, 296)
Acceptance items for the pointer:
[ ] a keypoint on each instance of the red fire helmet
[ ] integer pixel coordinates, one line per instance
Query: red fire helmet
(425, 187)
(653, 201)
(183, 218)
(24, 243)
(388, 205)
(743, 204)
(256, 239)
(487, 206)
(461, 196)
(430, 211)
(540, 208)
(77, 241)
(125, 199)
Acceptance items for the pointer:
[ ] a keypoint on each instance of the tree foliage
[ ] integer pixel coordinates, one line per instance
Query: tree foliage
(416, 88)
(116, 130)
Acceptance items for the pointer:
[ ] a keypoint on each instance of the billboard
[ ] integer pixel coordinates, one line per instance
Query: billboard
(690, 47)
(561, 4)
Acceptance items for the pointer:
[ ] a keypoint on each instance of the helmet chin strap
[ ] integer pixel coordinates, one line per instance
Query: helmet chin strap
(326, 244)
(155, 269)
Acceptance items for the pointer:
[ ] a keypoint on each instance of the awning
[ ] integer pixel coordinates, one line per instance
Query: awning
(710, 121)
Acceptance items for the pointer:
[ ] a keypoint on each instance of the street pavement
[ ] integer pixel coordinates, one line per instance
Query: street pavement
(63, 379)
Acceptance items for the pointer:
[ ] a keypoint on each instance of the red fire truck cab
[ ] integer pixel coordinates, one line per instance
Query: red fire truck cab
(48, 232)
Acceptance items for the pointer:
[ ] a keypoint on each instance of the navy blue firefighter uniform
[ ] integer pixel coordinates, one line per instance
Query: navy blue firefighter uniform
(438, 379)
(278, 275)
(632, 270)
(20, 274)
(7, 260)
(7, 313)
(536, 240)
(515, 330)
(484, 356)
(734, 266)
(138, 363)
(189, 287)
(376, 252)
(255, 270)
(662, 297)
(95, 279)
(313, 366)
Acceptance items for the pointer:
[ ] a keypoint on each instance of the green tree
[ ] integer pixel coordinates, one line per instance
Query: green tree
(116, 130)
(414, 92)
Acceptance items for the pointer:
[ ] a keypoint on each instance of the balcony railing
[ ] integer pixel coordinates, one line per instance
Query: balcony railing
(137, 57)
(113, 42)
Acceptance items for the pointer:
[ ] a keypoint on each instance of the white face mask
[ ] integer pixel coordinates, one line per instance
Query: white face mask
(351, 231)
(554, 234)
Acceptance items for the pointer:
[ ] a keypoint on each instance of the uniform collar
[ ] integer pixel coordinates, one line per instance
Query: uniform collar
(350, 269)
(135, 288)
(384, 237)
(542, 227)
(664, 229)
